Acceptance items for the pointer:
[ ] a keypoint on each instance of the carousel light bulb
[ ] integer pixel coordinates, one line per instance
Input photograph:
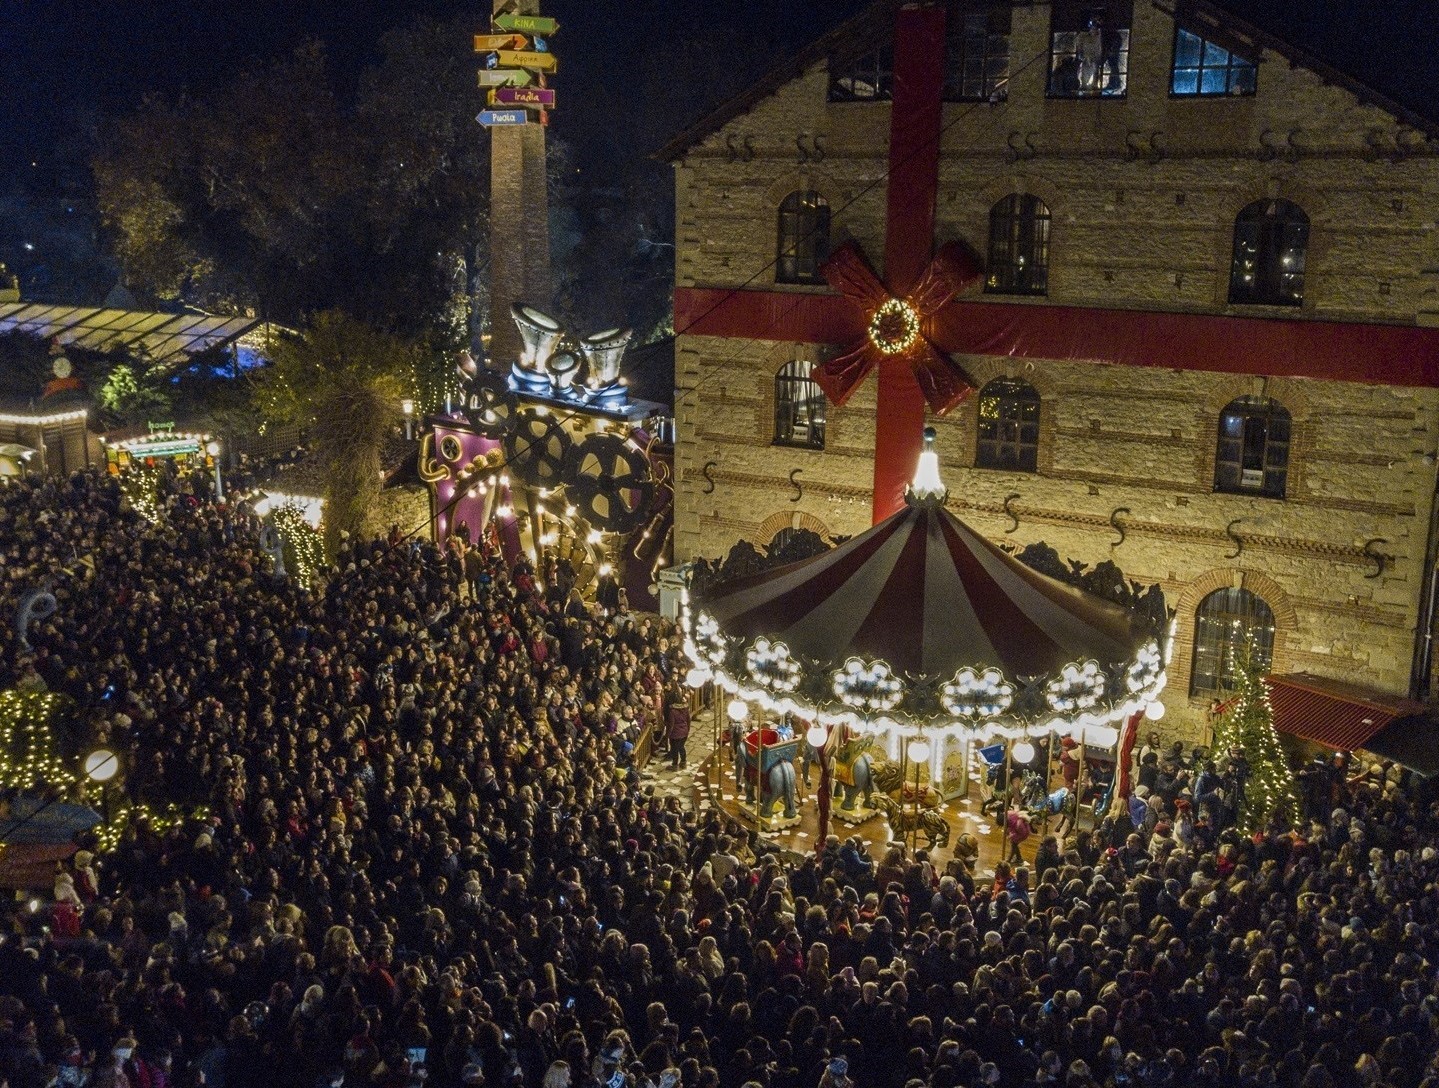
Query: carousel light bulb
(737, 710)
(919, 750)
(816, 735)
(594, 536)
(569, 511)
(1022, 752)
(1154, 711)
(927, 484)
(696, 677)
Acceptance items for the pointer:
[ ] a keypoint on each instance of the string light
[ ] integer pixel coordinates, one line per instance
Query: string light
(28, 758)
(894, 327)
(302, 541)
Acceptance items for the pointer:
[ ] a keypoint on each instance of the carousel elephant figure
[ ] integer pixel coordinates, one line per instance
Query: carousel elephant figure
(777, 784)
(853, 780)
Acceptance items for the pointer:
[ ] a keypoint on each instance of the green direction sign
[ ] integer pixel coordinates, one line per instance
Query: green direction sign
(527, 24)
(505, 77)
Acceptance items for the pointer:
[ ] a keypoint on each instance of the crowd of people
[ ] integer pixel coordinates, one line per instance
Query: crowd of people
(419, 857)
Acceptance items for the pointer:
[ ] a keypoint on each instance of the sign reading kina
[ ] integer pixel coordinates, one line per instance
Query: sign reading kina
(527, 24)
(535, 97)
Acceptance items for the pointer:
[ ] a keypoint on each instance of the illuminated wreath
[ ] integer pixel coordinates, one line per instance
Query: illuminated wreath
(1078, 687)
(894, 327)
(536, 448)
(609, 482)
(489, 405)
(975, 695)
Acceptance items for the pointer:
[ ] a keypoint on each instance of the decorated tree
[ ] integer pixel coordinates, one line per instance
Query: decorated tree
(343, 380)
(1247, 724)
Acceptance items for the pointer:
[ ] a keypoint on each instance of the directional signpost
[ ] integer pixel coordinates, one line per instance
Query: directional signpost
(527, 24)
(488, 43)
(503, 77)
(516, 58)
(540, 98)
(496, 118)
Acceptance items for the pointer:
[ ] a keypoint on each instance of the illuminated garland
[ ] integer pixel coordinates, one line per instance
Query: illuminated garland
(975, 695)
(771, 666)
(141, 485)
(304, 547)
(27, 743)
(1248, 725)
(162, 821)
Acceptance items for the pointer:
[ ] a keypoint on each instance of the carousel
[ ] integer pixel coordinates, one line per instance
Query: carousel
(893, 660)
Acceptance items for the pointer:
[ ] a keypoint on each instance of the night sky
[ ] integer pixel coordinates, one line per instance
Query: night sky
(66, 66)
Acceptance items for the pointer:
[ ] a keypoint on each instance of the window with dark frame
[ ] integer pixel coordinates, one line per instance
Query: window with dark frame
(1018, 246)
(866, 78)
(977, 51)
(799, 407)
(803, 238)
(1222, 622)
(1089, 48)
(1271, 244)
(1203, 68)
(1008, 426)
(1252, 457)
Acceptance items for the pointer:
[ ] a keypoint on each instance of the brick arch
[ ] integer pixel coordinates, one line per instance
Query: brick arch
(802, 180)
(789, 519)
(1286, 620)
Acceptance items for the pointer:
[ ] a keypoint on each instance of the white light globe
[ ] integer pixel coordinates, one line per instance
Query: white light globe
(817, 735)
(919, 750)
(1154, 711)
(1022, 752)
(696, 678)
(738, 710)
(101, 765)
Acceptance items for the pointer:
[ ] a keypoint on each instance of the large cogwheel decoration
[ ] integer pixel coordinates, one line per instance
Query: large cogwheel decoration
(537, 448)
(609, 482)
(489, 405)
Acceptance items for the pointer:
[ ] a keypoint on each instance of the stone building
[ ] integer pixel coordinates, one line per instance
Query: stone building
(1215, 185)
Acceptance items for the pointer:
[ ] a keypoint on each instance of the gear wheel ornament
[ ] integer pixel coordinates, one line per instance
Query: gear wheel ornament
(609, 483)
(537, 448)
(490, 405)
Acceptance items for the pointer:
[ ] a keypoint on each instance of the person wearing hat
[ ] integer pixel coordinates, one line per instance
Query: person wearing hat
(836, 1074)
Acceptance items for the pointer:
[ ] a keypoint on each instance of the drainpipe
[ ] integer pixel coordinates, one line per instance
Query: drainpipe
(1419, 677)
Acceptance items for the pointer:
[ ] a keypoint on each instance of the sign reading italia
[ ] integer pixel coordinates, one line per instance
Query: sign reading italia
(540, 62)
(488, 43)
(499, 77)
(494, 118)
(535, 97)
(527, 24)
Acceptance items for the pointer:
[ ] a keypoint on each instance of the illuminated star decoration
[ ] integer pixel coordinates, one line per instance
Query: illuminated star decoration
(897, 325)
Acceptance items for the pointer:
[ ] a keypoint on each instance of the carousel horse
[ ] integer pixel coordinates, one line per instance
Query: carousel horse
(902, 820)
(777, 782)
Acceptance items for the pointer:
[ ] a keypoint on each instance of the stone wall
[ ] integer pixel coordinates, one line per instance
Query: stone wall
(1143, 193)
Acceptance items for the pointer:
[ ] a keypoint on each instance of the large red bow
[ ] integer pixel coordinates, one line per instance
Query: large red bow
(943, 382)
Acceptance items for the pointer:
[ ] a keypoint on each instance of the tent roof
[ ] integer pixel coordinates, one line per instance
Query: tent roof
(163, 337)
(925, 593)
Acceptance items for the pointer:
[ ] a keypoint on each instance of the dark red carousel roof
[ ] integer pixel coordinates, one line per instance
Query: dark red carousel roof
(927, 594)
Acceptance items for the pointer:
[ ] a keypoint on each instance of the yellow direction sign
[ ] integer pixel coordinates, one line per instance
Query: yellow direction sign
(539, 62)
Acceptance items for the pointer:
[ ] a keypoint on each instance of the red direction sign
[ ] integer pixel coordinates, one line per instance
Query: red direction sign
(489, 43)
(536, 97)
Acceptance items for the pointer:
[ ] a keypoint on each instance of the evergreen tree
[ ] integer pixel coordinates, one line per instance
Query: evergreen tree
(29, 758)
(1248, 725)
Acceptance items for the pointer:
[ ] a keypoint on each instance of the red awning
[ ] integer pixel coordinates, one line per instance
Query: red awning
(1328, 712)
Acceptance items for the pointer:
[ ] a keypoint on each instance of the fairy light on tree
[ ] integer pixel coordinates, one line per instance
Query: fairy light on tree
(303, 544)
(1248, 725)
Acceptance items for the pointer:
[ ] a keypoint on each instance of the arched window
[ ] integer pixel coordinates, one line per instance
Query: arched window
(1221, 623)
(803, 238)
(1008, 426)
(1252, 457)
(798, 407)
(1271, 238)
(1018, 246)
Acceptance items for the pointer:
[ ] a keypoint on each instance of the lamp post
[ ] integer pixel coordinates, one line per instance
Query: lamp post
(407, 406)
(918, 755)
(100, 766)
(213, 449)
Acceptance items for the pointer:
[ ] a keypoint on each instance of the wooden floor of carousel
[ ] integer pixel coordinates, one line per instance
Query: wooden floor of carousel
(699, 785)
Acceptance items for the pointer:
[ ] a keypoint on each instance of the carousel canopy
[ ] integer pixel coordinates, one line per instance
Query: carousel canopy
(925, 593)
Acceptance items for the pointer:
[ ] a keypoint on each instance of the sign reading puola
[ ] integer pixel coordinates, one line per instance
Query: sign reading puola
(584, 372)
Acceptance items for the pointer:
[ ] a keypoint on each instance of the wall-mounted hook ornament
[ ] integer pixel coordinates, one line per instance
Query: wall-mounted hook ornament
(1114, 524)
(1238, 540)
(1379, 559)
(705, 472)
(798, 487)
(1009, 512)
